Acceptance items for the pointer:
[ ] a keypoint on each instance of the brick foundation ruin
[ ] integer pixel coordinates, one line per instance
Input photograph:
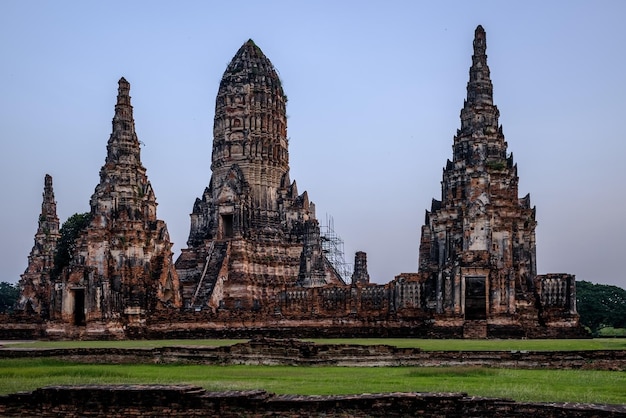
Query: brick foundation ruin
(151, 400)
(193, 401)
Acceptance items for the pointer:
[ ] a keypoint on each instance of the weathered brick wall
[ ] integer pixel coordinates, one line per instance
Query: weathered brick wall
(294, 352)
(193, 401)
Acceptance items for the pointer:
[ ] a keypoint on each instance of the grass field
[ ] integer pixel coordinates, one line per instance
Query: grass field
(588, 386)
(428, 345)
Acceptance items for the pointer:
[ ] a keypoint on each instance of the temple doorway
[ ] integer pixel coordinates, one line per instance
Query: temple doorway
(227, 226)
(475, 298)
(79, 307)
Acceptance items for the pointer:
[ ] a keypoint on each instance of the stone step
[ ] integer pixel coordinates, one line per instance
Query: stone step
(475, 329)
(215, 263)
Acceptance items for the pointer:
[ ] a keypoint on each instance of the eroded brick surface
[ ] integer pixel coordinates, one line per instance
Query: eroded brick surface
(192, 401)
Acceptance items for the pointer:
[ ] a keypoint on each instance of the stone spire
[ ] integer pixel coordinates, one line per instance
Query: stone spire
(360, 275)
(479, 87)
(35, 282)
(48, 220)
(480, 233)
(121, 267)
(123, 146)
(124, 189)
(480, 139)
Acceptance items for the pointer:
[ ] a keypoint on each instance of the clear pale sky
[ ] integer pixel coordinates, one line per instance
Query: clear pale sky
(375, 90)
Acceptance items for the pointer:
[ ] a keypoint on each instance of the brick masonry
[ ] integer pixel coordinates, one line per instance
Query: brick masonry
(193, 401)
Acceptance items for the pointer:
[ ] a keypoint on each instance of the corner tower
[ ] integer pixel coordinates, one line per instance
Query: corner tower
(120, 268)
(477, 249)
(249, 229)
(35, 284)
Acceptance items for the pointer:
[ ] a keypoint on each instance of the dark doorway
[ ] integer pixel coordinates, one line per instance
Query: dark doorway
(475, 298)
(227, 226)
(79, 307)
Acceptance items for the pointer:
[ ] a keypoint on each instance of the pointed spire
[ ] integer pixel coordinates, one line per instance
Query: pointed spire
(35, 282)
(479, 87)
(124, 186)
(48, 220)
(48, 206)
(480, 137)
(123, 92)
(123, 120)
(123, 140)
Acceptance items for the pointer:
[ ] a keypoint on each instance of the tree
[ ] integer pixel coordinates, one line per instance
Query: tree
(9, 294)
(600, 305)
(67, 242)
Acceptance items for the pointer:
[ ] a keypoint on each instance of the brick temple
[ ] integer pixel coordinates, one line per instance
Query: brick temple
(252, 233)
(119, 268)
(254, 262)
(477, 256)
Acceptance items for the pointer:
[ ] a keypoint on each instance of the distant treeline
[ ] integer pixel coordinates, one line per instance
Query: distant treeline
(602, 308)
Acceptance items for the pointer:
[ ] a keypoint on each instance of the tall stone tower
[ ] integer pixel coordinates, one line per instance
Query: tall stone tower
(478, 242)
(121, 268)
(35, 283)
(251, 232)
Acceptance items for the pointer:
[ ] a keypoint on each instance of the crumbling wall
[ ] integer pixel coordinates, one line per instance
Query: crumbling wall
(194, 401)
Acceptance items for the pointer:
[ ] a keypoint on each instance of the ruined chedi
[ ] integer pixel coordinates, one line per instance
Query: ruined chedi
(251, 233)
(121, 266)
(255, 264)
(477, 249)
(35, 283)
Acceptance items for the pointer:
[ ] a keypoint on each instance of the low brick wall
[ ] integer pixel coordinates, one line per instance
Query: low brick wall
(295, 352)
(192, 401)
(205, 324)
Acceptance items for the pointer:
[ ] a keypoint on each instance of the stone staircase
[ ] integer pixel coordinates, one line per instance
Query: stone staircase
(206, 284)
(475, 330)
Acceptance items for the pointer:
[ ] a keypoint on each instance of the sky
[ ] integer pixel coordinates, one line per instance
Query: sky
(374, 87)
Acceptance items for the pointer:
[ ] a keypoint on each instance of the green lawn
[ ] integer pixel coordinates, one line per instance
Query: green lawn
(523, 385)
(588, 386)
(429, 345)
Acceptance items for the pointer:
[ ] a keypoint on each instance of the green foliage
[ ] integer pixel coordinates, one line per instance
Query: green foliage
(612, 332)
(600, 306)
(522, 385)
(67, 242)
(9, 294)
(496, 165)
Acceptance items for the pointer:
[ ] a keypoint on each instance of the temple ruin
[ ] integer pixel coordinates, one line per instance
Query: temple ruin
(251, 233)
(35, 283)
(477, 255)
(119, 266)
(256, 262)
